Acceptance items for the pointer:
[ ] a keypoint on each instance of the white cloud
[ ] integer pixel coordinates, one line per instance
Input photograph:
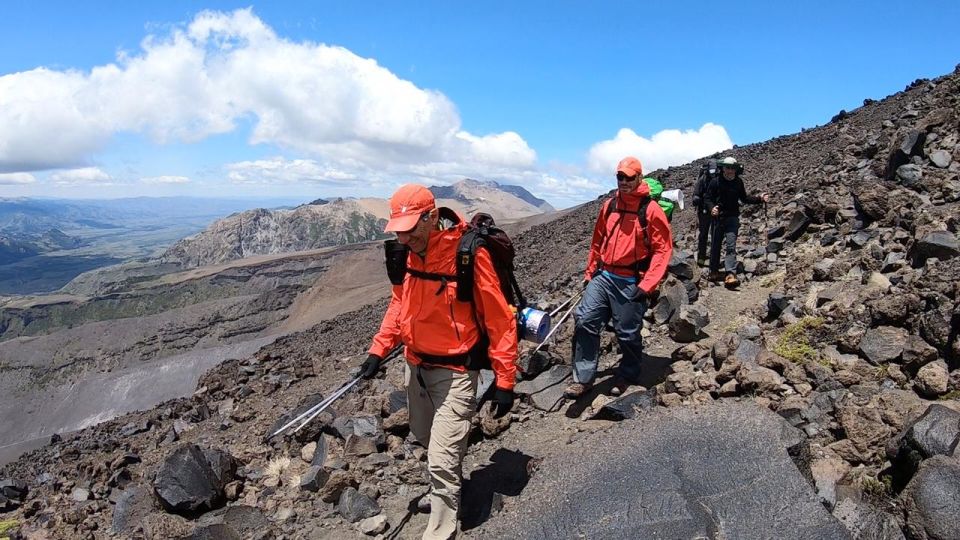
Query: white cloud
(13, 179)
(279, 170)
(87, 176)
(165, 180)
(199, 80)
(665, 148)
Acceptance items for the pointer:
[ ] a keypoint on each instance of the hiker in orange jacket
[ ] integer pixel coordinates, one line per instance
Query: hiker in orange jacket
(628, 259)
(443, 338)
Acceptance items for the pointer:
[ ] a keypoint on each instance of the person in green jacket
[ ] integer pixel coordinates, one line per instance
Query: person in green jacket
(656, 189)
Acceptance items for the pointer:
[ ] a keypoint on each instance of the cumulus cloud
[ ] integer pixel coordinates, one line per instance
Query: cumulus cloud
(279, 170)
(86, 176)
(165, 180)
(14, 179)
(665, 148)
(197, 81)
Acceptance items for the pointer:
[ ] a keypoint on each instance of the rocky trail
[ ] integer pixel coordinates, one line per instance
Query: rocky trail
(817, 401)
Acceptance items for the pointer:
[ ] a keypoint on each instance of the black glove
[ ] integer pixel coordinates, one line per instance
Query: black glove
(370, 366)
(503, 402)
(641, 296)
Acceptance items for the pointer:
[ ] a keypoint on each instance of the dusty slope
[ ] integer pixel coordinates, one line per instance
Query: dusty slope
(850, 404)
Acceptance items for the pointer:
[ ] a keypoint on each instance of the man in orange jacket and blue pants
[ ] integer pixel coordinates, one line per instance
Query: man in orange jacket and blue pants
(629, 255)
(443, 337)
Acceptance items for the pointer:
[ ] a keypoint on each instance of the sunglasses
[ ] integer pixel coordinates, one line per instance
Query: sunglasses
(621, 177)
(424, 217)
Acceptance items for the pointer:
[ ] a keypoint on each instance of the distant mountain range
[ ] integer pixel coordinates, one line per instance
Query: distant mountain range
(261, 232)
(469, 190)
(44, 243)
(325, 223)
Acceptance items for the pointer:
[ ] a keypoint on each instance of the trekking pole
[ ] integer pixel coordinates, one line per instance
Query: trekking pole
(568, 300)
(333, 397)
(554, 329)
(315, 410)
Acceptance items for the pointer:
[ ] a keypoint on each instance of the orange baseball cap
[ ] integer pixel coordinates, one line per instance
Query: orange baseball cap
(630, 166)
(406, 206)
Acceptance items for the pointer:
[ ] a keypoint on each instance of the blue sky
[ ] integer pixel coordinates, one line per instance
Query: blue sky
(101, 99)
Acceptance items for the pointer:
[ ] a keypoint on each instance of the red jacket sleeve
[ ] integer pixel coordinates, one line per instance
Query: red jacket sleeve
(498, 320)
(599, 231)
(388, 336)
(661, 242)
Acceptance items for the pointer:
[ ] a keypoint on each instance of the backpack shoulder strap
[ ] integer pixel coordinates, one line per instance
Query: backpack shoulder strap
(466, 259)
(642, 216)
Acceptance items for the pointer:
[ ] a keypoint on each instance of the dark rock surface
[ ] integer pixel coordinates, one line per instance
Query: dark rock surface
(932, 500)
(192, 480)
(681, 473)
(354, 506)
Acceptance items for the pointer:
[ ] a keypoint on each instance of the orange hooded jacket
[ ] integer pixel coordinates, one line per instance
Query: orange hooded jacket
(618, 241)
(427, 317)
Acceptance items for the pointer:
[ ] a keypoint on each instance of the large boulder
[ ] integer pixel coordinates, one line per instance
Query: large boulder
(933, 379)
(133, 504)
(910, 145)
(940, 244)
(688, 325)
(668, 304)
(239, 521)
(12, 494)
(799, 222)
(931, 500)
(354, 506)
(546, 391)
(686, 473)
(682, 265)
(883, 344)
(936, 432)
(871, 201)
(867, 522)
(191, 480)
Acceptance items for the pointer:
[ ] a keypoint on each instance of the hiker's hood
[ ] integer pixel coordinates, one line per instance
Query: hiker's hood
(454, 231)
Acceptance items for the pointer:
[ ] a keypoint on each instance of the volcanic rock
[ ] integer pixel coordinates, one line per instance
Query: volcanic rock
(688, 325)
(883, 344)
(354, 506)
(682, 471)
(191, 480)
(932, 500)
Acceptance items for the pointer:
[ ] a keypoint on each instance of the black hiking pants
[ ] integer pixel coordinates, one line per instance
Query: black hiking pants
(725, 232)
(704, 222)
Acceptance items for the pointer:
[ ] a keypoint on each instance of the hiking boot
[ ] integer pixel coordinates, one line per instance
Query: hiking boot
(575, 390)
(714, 276)
(731, 280)
(620, 386)
(702, 262)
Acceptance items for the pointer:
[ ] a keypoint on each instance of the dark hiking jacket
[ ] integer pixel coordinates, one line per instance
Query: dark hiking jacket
(728, 194)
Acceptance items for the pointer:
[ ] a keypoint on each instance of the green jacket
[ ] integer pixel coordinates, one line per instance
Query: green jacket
(656, 188)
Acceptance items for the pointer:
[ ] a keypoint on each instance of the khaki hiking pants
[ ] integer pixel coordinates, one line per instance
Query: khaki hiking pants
(441, 403)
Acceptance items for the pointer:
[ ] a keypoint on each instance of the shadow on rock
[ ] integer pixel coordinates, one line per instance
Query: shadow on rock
(654, 370)
(483, 494)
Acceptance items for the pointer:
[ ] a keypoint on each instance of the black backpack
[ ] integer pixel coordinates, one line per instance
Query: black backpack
(641, 213)
(481, 232)
(708, 171)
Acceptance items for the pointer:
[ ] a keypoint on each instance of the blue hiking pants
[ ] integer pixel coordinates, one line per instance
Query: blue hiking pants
(607, 296)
